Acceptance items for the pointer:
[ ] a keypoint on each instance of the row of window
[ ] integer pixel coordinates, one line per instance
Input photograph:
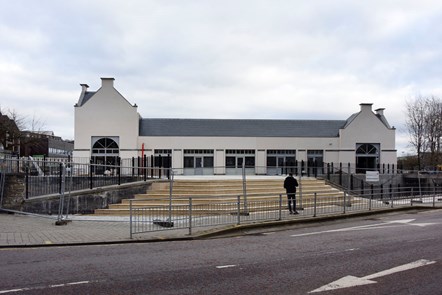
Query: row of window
(237, 162)
(55, 151)
(281, 152)
(198, 152)
(105, 151)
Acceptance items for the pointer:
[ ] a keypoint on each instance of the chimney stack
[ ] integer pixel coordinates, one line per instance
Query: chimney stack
(365, 107)
(380, 112)
(84, 88)
(107, 82)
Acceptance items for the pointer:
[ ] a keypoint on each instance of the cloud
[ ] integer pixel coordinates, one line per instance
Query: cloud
(221, 59)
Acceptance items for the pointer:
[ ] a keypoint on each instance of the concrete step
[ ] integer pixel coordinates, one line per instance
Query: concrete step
(214, 192)
(225, 198)
(250, 191)
(211, 209)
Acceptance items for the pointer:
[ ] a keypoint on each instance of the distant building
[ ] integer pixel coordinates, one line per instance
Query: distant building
(108, 126)
(9, 136)
(45, 144)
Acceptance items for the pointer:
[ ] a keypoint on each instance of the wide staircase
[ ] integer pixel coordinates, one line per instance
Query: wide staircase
(262, 194)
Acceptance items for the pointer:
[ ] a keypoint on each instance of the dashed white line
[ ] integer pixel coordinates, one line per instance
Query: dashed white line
(44, 287)
(14, 290)
(226, 266)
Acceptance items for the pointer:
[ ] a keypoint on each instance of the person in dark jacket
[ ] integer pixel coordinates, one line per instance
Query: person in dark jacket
(290, 184)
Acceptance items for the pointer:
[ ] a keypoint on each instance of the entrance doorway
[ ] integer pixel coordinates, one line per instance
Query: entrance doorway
(367, 157)
(105, 153)
(281, 162)
(198, 162)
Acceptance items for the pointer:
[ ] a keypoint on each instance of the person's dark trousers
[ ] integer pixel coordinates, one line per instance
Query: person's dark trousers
(291, 199)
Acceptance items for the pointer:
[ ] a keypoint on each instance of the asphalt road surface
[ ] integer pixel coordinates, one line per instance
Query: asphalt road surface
(398, 253)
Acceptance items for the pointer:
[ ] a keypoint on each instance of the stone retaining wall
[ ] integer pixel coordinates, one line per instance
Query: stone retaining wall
(79, 202)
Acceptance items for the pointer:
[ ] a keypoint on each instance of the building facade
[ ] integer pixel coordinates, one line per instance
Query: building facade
(108, 127)
(45, 144)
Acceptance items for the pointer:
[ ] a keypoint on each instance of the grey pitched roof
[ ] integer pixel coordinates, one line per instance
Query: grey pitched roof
(87, 96)
(240, 128)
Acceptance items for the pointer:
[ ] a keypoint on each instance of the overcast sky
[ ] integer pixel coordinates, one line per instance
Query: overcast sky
(221, 59)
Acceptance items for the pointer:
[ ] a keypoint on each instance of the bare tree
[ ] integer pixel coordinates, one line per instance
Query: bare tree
(9, 129)
(416, 126)
(13, 126)
(432, 127)
(424, 125)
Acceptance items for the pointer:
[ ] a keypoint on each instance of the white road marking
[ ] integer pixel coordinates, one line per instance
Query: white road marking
(387, 224)
(226, 266)
(352, 281)
(44, 287)
(14, 290)
(78, 283)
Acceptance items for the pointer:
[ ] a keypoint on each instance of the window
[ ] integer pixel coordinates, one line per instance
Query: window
(230, 162)
(105, 145)
(208, 162)
(188, 162)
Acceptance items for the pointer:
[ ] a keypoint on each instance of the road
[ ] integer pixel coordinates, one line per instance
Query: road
(398, 253)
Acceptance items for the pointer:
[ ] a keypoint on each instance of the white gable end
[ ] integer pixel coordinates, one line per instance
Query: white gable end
(106, 114)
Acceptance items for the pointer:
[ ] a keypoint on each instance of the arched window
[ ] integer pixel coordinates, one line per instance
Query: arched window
(105, 152)
(105, 145)
(367, 149)
(367, 157)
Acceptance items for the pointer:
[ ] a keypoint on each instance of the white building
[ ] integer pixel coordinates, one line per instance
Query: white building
(108, 126)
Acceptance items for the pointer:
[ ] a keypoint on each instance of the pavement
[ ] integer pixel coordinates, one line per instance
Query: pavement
(19, 230)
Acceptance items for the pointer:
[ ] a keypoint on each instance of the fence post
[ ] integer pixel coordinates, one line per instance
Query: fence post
(90, 174)
(280, 207)
(351, 182)
(130, 218)
(152, 163)
(119, 170)
(345, 197)
(62, 190)
(340, 173)
(60, 176)
(328, 171)
(369, 202)
(391, 200)
(362, 187)
(133, 167)
(314, 207)
(239, 209)
(169, 165)
(190, 216)
(27, 182)
(160, 165)
(144, 167)
(434, 197)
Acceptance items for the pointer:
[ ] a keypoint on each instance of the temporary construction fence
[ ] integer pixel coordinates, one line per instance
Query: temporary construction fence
(190, 212)
(47, 177)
